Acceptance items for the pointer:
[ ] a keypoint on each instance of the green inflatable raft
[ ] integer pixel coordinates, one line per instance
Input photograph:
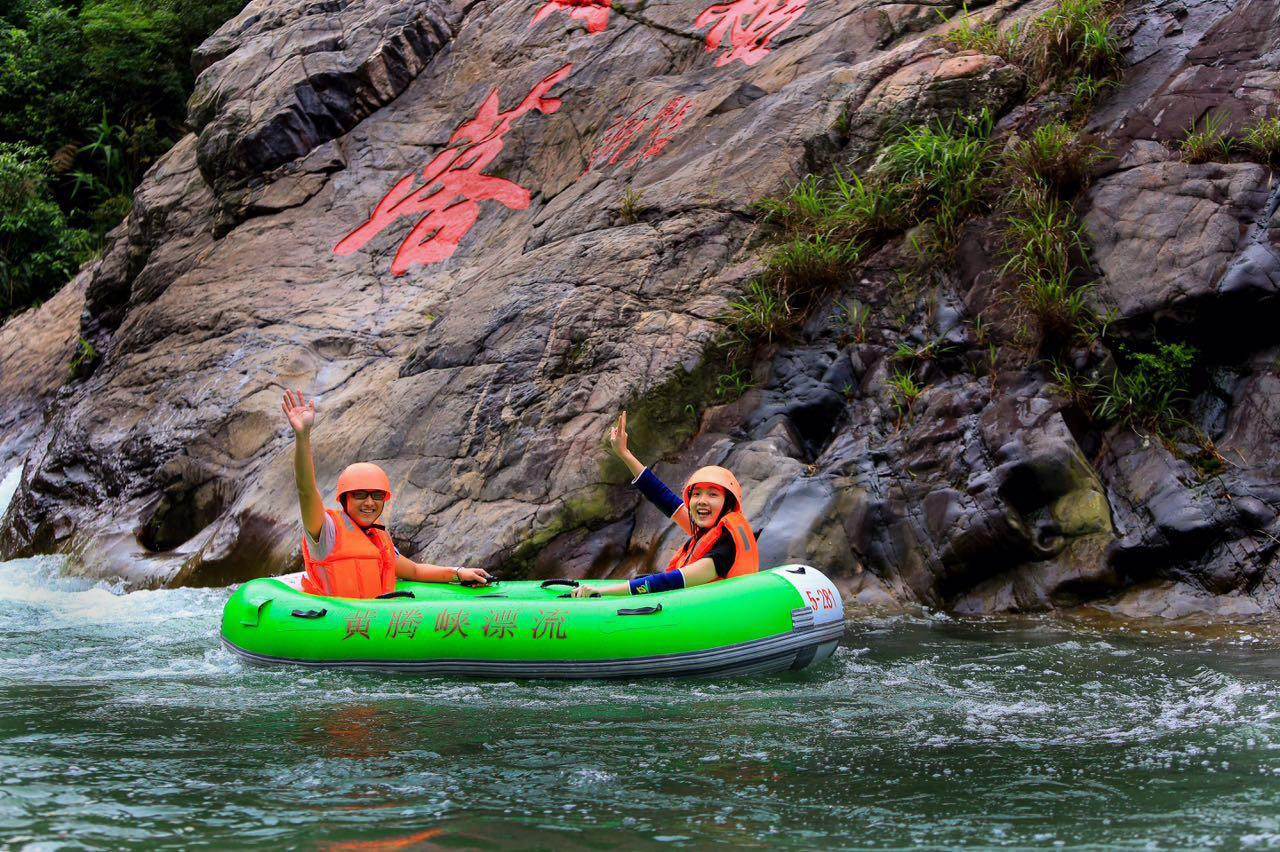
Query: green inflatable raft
(784, 618)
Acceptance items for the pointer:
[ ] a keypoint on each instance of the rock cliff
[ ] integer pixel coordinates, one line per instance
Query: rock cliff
(476, 230)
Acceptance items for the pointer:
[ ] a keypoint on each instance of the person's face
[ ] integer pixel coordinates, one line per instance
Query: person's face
(365, 507)
(705, 504)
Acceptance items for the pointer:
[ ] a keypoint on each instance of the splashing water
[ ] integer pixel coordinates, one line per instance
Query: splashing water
(123, 723)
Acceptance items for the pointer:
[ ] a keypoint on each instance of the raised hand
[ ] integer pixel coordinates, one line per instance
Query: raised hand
(618, 435)
(618, 441)
(301, 414)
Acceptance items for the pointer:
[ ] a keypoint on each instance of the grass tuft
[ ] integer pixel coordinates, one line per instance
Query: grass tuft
(1207, 140)
(1056, 154)
(629, 210)
(1262, 138)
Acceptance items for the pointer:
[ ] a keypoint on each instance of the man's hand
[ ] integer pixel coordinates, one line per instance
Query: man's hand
(585, 591)
(473, 576)
(301, 414)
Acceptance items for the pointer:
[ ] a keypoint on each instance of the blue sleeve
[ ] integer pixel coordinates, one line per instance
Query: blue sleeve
(657, 493)
(665, 582)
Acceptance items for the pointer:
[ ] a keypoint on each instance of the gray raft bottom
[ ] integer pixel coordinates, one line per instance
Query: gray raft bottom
(795, 650)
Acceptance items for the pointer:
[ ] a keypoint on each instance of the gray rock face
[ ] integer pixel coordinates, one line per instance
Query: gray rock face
(279, 80)
(1170, 236)
(475, 231)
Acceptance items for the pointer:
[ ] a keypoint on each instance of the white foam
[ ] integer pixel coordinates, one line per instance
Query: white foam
(8, 486)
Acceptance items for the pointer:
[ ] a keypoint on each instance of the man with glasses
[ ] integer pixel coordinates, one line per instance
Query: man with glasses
(347, 553)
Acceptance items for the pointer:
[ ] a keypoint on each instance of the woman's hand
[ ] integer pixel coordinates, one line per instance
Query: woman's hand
(473, 576)
(618, 441)
(584, 592)
(301, 414)
(618, 436)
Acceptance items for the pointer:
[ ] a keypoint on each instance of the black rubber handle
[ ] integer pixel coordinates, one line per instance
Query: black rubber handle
(404, 593)
(309, 613)
(642, 610)
(799, 570)
(490, 596)
(546, 583)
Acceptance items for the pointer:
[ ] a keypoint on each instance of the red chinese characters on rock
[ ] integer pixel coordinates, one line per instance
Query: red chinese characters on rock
(454, 184)
(749, 25)
(595, 13)
(622, 134)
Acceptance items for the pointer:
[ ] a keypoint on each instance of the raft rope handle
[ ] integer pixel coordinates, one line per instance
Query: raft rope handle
(546, 583)
(309, 613)
(799, 570)
(403, 593)
(642, 610)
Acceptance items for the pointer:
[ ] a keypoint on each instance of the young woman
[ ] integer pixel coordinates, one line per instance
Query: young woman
(720, 543)
(347, 553)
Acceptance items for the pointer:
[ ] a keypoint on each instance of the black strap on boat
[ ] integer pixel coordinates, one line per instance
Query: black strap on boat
(547, 583)
(642, 610)
(797, 570)
(490, 596)
(403, 593)
(309, 613)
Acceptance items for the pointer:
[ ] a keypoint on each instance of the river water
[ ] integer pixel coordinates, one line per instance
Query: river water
(124, 724)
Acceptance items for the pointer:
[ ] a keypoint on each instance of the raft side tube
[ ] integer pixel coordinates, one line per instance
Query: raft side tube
(786, 618)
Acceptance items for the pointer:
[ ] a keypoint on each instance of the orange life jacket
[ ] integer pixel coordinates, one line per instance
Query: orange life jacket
(746, 558)
(362, 563)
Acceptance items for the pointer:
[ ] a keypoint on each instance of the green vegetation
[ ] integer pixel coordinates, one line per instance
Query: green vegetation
(39, 250)
(91, 93)
(970, 34)
(1056, 155)
(1150, 391)
(83, 361)
(1070, 40)
(1146, 390)
(941, 170)
(1207, 140)
(733, 384)
(1042, 240)
(629, 211)
(929, 180)
(905, 390)
(851, 319)
(1262, 139)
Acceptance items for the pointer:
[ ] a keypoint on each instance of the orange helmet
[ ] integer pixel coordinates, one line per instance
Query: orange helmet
(718, 476)
(363, 476)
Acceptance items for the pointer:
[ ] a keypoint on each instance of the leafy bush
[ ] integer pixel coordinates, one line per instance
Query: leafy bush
(38, 250)
(1150, 390)
(99, 87)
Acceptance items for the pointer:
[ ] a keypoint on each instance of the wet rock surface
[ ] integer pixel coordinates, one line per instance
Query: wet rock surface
(595, 222)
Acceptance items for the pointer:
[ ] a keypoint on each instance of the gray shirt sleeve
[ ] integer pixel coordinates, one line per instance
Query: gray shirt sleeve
(321, 549)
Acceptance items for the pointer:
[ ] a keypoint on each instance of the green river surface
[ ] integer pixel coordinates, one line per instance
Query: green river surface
(124, 724)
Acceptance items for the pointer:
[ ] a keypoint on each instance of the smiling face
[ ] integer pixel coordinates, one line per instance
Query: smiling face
(706, 502)
(364, 507)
